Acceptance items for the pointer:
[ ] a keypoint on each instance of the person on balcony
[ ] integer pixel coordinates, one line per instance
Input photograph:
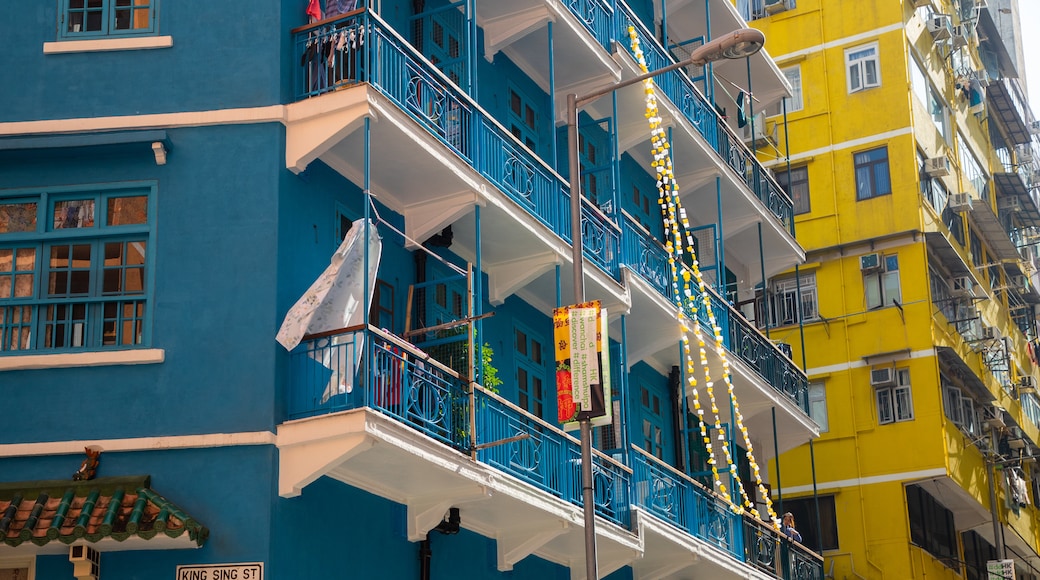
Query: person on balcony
(787, 527)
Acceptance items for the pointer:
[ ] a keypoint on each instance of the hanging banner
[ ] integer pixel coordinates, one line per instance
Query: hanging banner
(582, 364)
(1000, 569)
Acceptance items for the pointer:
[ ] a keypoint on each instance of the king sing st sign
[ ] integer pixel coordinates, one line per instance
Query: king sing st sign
(244, 571)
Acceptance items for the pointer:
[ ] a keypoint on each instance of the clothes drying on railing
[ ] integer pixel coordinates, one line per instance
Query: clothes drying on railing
(337, 7)
(333, 54)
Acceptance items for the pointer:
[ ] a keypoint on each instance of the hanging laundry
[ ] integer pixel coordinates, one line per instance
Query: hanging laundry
(337, 7)
(314, 10)
(742, 98)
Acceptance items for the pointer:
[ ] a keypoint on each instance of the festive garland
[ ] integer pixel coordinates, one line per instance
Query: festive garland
(668, 199)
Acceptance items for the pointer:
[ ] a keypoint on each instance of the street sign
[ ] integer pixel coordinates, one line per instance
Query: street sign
(242, 571)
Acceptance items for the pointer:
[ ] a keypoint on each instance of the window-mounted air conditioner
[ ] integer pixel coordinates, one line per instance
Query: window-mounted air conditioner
(1034, 127)
(1027, 382)
(1012, 203)
(870, 262)
(939, 26)
(1024, 154)
(922, 3)
(1018, 281)
(776, 6)
(961, 34)
(882, 376)
(937, 166)
(962, 287)
(960, 202)
(759, 131)
(989, 333)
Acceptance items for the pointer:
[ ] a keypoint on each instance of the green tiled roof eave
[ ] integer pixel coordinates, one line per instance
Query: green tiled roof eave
(114, 507)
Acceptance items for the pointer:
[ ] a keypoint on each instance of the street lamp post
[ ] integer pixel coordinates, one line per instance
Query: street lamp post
(737, 44)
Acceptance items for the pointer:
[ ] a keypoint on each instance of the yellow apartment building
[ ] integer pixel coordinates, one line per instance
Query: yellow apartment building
(908, 148)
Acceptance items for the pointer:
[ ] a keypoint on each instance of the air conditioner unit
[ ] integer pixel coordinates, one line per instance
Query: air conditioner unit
(86, 562)
(1018, 281)
(961, 202)
(989, 333)
(961, 34)
(937, 166)
(939, 26)
(776, 6)
(1034, 127)
(962, 287)
(882, 377)
(759, 128)
(1012, 203)
(1027, 382)
(870, 262)
(922, 3)
(1024, 154)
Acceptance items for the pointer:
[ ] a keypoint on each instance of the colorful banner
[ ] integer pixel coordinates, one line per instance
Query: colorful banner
(582, 364)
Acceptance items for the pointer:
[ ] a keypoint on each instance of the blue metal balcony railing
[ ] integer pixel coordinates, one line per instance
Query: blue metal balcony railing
(683, 502)
(547, 458)
(678, 87)
(648, 258)
(361, 48)
(597, 16)
(327, 374)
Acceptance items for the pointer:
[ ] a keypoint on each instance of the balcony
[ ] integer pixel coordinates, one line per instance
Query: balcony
(407, 428)
(459, 157)
(754, 359)
(715, 171)
(1007, 104)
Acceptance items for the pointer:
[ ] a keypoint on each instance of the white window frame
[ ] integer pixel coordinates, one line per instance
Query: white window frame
(786, 290)
(796, 102)
(884, 281)
(855, 68)
(818, 405)
(895, 404)
(959, 408)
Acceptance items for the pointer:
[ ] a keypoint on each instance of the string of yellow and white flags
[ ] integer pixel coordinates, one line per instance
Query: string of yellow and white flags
(676, 226)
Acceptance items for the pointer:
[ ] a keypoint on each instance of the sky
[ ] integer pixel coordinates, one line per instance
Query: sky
(1029, 15)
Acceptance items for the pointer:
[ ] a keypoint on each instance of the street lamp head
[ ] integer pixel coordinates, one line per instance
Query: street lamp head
(737, 44)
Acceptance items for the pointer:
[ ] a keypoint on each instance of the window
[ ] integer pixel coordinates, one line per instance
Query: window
(653, 423)
(530, 372)
(977, 552)
(100, 18)
(818, 405)
(895, 403)
(791, 296)
(931, 525)
(861, 67)
(872, 173)
(794, 102)
(881, 286)
(74, 268)
(822, 537)
(929, 97)
(959, 408)
(796, 184)
(971, 169)
(381, 314)
(523, 121)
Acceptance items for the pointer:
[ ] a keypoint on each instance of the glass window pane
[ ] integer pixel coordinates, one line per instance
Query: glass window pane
(127, 210)
(5, 287)
(77, 213)
(17, 217)
(23, 286)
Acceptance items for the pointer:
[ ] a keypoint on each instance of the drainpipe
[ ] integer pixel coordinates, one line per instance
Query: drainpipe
(449, 526)
(675, 393)
(991, 467)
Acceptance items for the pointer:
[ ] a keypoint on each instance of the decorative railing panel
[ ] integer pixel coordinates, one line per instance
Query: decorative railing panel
(645, 256)
(800, 563)
(530, 449)
(597, 17)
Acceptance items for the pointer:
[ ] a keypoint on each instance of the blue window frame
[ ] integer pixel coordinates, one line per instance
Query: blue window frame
(872, 177)
(75, 268)
(530, 371)
(83, 19)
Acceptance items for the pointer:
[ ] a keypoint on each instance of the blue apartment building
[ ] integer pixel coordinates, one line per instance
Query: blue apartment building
(175, 174)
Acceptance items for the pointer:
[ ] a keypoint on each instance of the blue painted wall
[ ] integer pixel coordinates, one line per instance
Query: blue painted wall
(214, 298)
(223, 56)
